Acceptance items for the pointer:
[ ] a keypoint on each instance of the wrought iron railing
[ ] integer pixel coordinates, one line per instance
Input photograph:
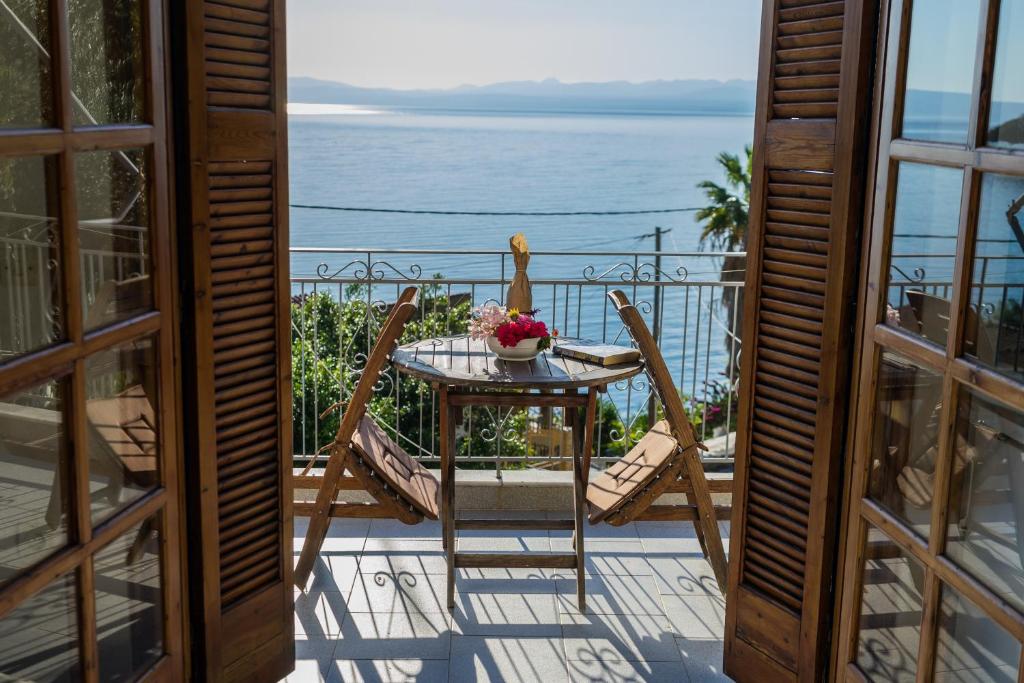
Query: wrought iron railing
(691, 300)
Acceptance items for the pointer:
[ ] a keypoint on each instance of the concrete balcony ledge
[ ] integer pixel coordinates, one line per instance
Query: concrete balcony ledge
(532, 489)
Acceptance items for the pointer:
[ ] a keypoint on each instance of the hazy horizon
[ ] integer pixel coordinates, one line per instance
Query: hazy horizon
(443, 44)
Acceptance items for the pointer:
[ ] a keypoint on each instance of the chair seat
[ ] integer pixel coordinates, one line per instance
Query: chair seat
(409, 482)
(621, 483)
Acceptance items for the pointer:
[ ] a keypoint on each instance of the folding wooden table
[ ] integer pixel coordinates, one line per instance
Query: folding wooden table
(464, 372)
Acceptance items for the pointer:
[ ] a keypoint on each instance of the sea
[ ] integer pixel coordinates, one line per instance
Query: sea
(485, 161)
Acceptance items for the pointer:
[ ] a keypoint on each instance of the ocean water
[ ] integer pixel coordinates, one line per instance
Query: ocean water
(487, 162)
(457, 161)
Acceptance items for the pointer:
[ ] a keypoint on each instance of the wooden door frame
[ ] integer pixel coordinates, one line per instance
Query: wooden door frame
(874, 337)
(65, 359)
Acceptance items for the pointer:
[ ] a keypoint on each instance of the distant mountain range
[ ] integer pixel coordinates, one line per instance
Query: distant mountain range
(551, 95)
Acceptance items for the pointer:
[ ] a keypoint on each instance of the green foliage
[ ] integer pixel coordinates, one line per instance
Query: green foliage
(727, 214)
(329, 342)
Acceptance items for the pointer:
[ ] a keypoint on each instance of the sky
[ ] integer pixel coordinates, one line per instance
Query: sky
(445, 43)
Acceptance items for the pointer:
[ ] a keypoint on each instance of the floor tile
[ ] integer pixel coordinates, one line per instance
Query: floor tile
(389, 670)
(515, 542)
(392, 528)
(505, 614)
(612, 670)
(612, 595)
(702, 659)
(507, 660)
(334, 571)
(683, 574)
(632, 638)
(342, 534)
(380, 635)
(695, 617)
(319, 614)
(401, 591)
(428, 559)
(309, 671)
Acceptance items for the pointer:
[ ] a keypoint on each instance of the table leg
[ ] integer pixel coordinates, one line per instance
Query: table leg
(447, 443)
(579, 498)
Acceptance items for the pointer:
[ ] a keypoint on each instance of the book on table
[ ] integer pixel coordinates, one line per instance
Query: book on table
(600, 354)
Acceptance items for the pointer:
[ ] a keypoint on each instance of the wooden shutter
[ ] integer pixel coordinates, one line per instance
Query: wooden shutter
(237, 363)
(813, 106)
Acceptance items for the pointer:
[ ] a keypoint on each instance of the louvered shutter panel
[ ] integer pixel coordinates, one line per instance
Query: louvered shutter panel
(236, 339)
(813, 108)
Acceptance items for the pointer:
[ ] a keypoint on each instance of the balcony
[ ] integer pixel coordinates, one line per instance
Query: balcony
(375, 609)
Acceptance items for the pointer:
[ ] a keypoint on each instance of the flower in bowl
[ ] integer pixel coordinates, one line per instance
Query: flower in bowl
(510, 334)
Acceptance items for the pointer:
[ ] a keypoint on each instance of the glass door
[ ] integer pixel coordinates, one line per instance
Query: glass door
(934, 564)
(89, 567)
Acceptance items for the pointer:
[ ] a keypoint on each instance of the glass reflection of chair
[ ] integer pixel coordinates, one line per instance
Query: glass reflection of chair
(118, 299)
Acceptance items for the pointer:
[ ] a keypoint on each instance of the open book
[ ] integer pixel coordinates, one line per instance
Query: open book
(594, 352)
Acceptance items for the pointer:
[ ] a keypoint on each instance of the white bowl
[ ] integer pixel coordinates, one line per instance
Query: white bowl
(524, 350)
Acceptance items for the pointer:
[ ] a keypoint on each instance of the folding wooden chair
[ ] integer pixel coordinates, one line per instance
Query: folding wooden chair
(669, 450)
(393, 477)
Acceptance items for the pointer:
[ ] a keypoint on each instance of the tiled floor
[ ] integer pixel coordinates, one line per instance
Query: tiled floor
(374, 609)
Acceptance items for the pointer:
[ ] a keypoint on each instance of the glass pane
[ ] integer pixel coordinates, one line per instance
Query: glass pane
(114, 215)
(1006, 118)
(27, 100)
(986, 506)
(29, 255)
(129, 603)
(905, 442)
(890, 612)
(994, 327)
(39, 639)
(33, 472)
(925, 222)
(940, 70)
(121, 403)
(107, 65)
(971, 647)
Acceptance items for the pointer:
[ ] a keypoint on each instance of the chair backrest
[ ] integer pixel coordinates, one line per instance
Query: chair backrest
(933, 313)
(675, 414)
(403, 311)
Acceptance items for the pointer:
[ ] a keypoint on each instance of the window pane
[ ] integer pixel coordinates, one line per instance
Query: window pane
(27, 100)
(905, 442)
(107, 65)
(121, 403)
(890, 612)
(33, 463)
(1006, 118)
(940, 70)
(994, 326)
(39, 639)
(29, 255)
(971, 646)
(986, 506)
(114, 233)
(129, 603)
(925, 222)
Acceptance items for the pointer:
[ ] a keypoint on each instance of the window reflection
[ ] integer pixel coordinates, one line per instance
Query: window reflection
(1006, 118)
(39, 639)
(925, 221)
(30, 311)
(994, 330)
(107, 66)
(114, 232)
(129, 603)
(27, 100)
(33, 475)
(121, 403)
(986, 506)
(940, 70)
(971, 646)
(905, 444)
(890, 612)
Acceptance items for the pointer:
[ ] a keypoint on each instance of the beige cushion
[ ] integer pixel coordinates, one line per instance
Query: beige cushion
(411, 481)
(620, 483)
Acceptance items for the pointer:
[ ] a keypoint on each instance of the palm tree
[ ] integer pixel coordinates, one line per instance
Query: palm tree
(725, 220)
